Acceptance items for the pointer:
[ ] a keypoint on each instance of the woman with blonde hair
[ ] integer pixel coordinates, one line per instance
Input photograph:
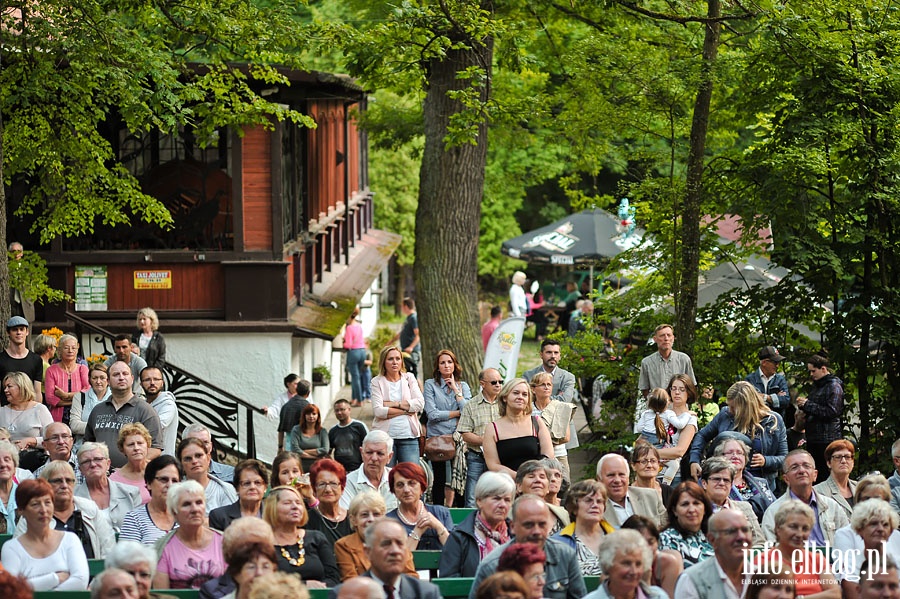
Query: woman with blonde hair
(516, 436)
(747, 413)
(149, 340)
(134, 443)
(65, 379)
(557, 415)
(396, 403)
(517, 301)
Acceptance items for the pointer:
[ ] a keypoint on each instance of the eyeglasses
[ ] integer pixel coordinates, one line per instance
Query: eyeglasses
(165, 481)
(59, 481)
(246, 484)
(805, 467)
(537, 577)
(155, 379)
(719, 480)
(92, 461)
(842, 458)
(325, 485)
(58, 438)
(648, 462)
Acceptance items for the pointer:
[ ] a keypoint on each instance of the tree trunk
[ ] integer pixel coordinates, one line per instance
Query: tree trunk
(5, 308)
(686, 309)
(451, 186)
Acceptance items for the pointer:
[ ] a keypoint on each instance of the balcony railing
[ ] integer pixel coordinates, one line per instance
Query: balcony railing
(198, 400)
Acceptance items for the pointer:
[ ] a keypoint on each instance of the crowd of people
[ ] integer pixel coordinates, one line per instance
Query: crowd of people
(732, 508)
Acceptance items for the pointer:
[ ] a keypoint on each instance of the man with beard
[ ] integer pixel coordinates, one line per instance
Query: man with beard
(164, 403)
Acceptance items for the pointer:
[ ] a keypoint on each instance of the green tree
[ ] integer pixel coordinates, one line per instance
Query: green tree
(68, 67)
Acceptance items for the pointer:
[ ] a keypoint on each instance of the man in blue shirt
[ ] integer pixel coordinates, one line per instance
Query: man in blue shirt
(771, 383)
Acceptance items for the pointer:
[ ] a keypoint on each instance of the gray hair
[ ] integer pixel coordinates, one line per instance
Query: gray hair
(44, 433)
(97, 584)
(9, 448)
(376, 436)
(623, 541)
(370, 531)
(720, 448)
(716, 464)
(366, 499)
(872, 509)
(494, 483)
(93, 446)
(67, 337)
(552, 464)
(194, 428)
(57, 467)
(519, 277)
(529, 467)
(127, 553)
(176, 491)
(793, 507)
(612, 456)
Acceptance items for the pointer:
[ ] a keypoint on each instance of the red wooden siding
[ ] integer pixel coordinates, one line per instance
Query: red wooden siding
(256, 189)
(194, 287)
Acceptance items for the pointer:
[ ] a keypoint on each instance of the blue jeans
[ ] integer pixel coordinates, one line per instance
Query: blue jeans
(405, 450)
(355, 359)
(475, 467)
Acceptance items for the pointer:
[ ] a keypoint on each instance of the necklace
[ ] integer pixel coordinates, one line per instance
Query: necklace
(403, 518)
(11, 427)
(331, 524)
(301, 554)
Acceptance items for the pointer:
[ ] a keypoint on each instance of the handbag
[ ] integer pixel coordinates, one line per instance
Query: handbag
(440, 448)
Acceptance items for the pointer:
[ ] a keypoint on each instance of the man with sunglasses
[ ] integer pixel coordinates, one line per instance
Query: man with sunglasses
(475, 416)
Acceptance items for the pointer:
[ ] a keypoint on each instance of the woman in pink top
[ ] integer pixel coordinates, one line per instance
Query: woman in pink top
(355, 345)
(65, 379)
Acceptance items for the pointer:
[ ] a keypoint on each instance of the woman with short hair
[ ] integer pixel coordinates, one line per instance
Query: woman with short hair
(191, 554)
(625, 557)
(195, 462)
(667, 565)
(328, 479)
(150, 522)
(114, 498)
(586, 504)
(717, 478)
(529, 561)
(9, 461)
(65, 379)
(83, 403)
(136, 559)
(250, 479)
(350, 552)
(427, 526)
(23, 417)
(839, 455)
(875, 523)
(746, 487)
(134, 443)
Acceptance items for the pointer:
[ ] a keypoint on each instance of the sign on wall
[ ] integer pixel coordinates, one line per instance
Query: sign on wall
(153, 279)
(90, 289)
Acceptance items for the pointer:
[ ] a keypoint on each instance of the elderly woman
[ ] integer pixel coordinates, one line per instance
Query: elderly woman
(556, 415)
(717, 478)
(527, 560)
(667, 565)
(134, 443)
(517, 301)
(9, 461)
(309, 438)
(516, 436)
(533, 477)
(78, 515)
(746, 487)
(250, 479)
(586, 504)
(51, 560)
(148, 523)
(625, 557)
(482, 530)
(113, 497)
(445, 396)
(248, 562)
(195, 464)
(136, 559)
(427, 526)
(839, 486)
(352, 559)
(875, 522)
(748, 414)
(84, 402)
(871, 486)
(396, 401)
(303, 552)
(328, 479)
(192, 553)
(65, 379)
(688, 512)
(150, 342)
(244, 530)
(794, 521)
(645, 462)
(23, 417)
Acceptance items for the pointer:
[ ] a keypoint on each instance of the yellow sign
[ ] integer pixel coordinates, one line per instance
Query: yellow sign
(153, 279)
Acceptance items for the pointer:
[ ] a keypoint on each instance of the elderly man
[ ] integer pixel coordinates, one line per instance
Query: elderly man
(563, 381)
(163, 402)
(385, 545)
(800, 475)
(623, 500)
(361, 587)
(769, 382)
(198, 431)
(658, 368)
(122, 407)
(377, 449)
(881, 583)
(724, 576)
(122, 353)
(475, 416)
(77, 515)
(58, 441)
(531, 524)
(114, 583)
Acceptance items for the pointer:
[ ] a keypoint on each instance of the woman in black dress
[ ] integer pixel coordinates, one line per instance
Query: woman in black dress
(517, 436)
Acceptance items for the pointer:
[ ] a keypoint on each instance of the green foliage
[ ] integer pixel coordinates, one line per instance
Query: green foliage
(28, 274)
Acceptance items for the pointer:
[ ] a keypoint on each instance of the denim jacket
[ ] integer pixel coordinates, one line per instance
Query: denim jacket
(439, 402)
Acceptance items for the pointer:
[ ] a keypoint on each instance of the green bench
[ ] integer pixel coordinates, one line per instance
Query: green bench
(458, 514)
(4, 538)
(318, 593)
(427, 560)
(454, 588)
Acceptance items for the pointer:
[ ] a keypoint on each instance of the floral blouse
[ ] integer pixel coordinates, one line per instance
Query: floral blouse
(694, 548)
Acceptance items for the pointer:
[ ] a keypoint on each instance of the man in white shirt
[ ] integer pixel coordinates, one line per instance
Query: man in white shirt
(377, 449)
(163, 402)
(724, 575)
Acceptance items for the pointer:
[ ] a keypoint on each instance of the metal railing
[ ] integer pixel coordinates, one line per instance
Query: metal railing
(198, 400)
